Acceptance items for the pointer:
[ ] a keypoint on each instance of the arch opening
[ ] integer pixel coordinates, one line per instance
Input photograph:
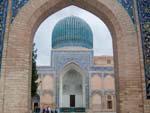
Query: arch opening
(72, 90)
(72, 94)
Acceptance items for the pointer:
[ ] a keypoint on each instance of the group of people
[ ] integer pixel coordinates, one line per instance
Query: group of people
(49, 110)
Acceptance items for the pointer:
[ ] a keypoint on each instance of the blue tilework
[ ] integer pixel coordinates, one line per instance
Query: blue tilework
(3, 16)
(129, 7)
(72, 31)
(16, 6)
(144, 18)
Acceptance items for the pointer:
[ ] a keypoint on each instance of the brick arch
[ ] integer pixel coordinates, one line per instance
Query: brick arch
(16, 67)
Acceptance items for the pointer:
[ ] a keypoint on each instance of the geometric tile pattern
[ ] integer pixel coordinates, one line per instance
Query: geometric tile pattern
(3, 16)
(16, 5)
(72, 31)
(129, 7)
(144, 18)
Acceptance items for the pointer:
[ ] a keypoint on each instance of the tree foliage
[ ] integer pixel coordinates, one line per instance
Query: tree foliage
(34, 73)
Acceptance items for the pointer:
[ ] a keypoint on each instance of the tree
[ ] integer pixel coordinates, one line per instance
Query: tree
(34, 73)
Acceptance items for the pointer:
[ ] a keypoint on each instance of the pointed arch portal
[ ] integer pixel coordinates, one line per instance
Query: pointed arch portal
(72, 86)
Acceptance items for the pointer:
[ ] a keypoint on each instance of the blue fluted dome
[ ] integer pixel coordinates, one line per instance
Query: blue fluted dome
(72, 31)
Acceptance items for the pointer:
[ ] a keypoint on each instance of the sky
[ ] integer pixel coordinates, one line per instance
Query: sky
(102, 40)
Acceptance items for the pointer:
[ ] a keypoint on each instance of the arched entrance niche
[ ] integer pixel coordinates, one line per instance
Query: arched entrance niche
(16, 67)
(72, 86)
(96, 102)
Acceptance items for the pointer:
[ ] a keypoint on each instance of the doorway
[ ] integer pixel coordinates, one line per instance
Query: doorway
(72, 100)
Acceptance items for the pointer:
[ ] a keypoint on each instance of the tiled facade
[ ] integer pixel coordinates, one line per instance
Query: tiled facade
(100, 82)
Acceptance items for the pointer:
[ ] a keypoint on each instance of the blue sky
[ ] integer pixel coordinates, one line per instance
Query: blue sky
(102, 38)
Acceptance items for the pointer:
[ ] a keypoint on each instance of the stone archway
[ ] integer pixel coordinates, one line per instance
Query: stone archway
(16, 68)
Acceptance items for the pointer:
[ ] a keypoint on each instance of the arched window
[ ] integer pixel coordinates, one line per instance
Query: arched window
(109, 102)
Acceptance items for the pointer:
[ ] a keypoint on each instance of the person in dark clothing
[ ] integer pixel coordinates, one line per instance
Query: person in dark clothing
(52, 111)
(55, 110)
(47, 111)
(44, 110)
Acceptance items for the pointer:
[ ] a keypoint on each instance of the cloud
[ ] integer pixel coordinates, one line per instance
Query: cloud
(101, 35)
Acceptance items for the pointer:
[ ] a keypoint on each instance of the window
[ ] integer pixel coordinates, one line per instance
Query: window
(72, 100)
(109, 104)
(108, 61)
(109, 97)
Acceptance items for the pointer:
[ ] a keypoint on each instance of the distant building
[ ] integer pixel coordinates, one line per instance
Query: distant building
(76, 80)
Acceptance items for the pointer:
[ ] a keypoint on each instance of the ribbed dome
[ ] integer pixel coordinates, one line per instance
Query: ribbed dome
(72, 31)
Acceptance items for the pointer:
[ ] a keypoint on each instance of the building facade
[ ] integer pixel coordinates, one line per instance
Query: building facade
(76, 78)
